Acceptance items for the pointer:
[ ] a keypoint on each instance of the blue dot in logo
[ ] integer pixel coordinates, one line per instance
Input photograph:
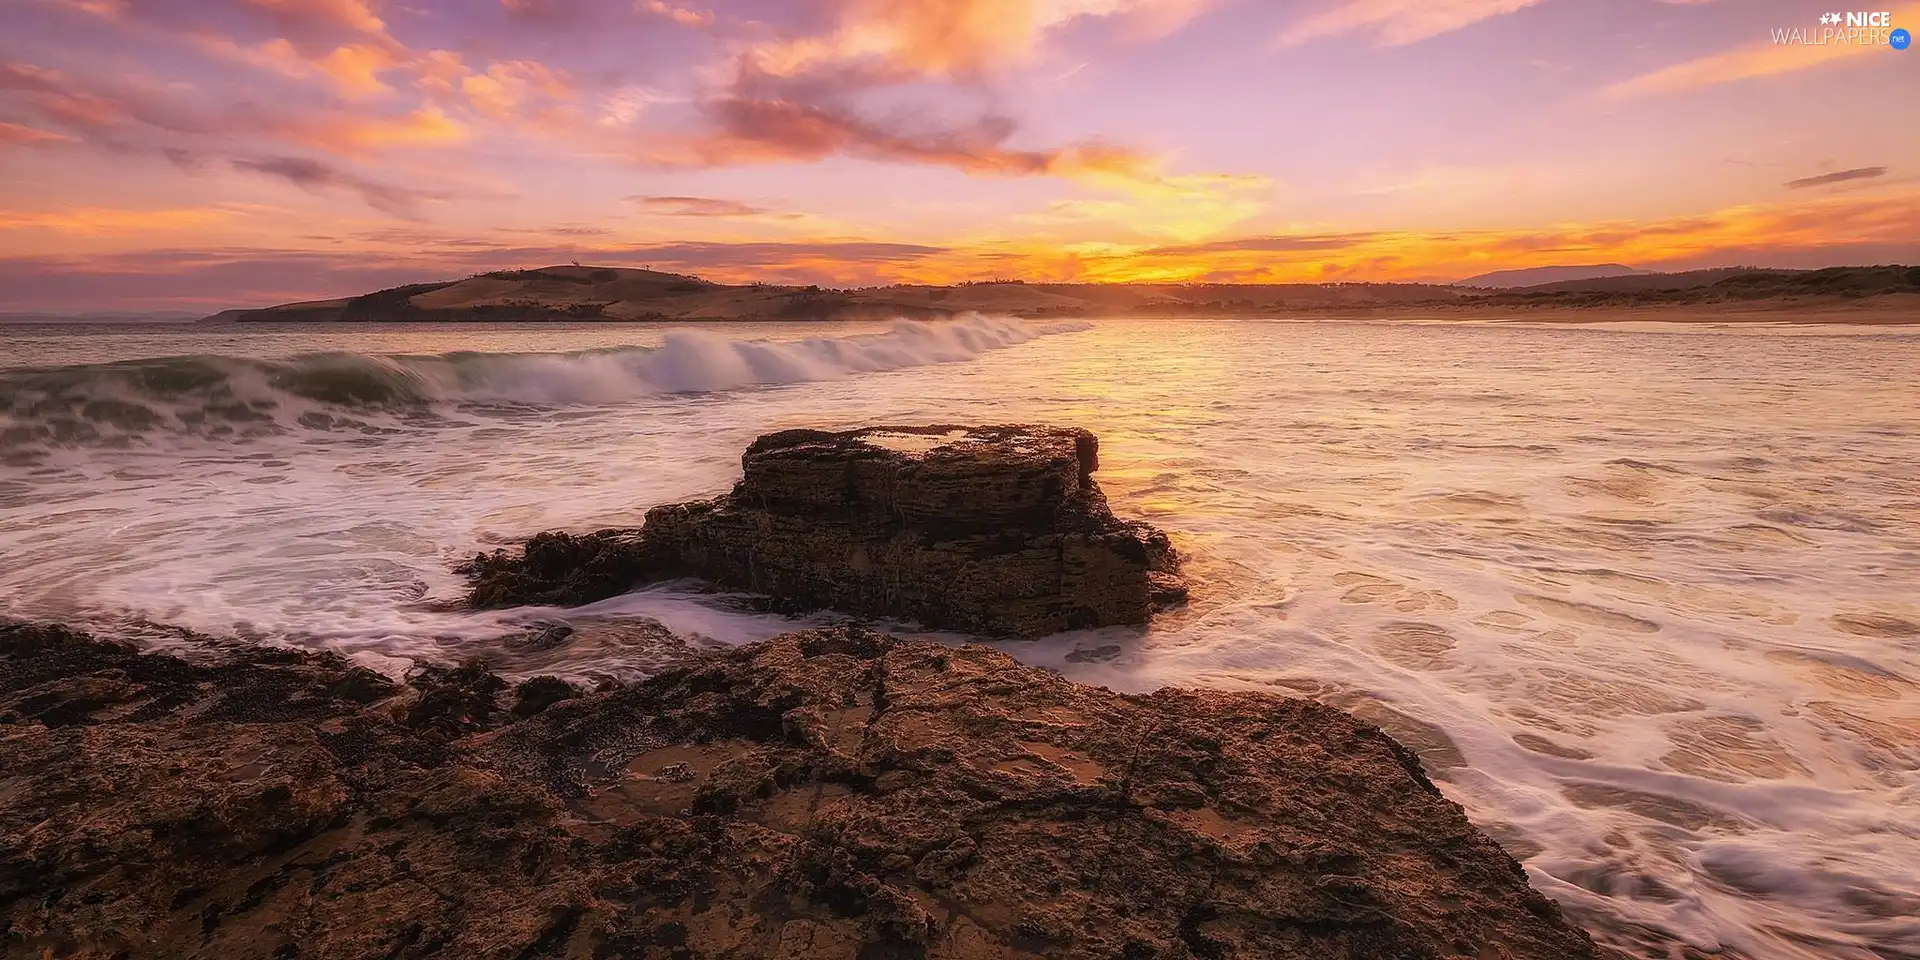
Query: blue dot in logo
(1901, 39)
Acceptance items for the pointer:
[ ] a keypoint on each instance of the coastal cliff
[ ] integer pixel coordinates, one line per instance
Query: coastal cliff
(826, 794)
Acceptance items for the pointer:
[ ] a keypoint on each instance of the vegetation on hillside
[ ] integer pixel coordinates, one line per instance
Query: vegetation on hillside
(1836, 282)
(573, 293)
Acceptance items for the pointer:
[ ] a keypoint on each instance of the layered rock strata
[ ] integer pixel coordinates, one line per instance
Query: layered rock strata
(997, 531)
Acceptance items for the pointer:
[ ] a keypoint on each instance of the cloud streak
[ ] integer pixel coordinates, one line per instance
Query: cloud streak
(753, 130)
(1841, 176)
(317, 177)
(106, 220)
(17, 133)
(120, 116)
(1396, 23)
(696, 207)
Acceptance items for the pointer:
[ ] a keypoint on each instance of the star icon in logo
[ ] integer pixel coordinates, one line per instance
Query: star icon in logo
(1827, 19)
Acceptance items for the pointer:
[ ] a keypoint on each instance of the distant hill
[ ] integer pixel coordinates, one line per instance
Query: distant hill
(1644, 281)
(1715, 286)
(574, 293)
(1535, 276)
(587, 293)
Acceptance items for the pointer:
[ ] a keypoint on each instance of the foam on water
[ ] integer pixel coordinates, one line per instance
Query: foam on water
(1643, 601)
(225, 397)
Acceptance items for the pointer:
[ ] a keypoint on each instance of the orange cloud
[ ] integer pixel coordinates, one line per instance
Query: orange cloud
(97, 220)
(354, 15)
(500, 92)
(1847, 228)
(1398, 22)
(787, 100)
(796, 99)
(14, 133)
(276, 55)
(933, 38)
(1829, 230)
(355, 69)
(684, 16)
(439, 72)
(100, 8)
(127, 118)
(429, 126)
(1762, 59)
(341, 41)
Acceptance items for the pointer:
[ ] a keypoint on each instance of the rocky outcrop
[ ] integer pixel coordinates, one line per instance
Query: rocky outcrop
(996, 531)
(829, 794)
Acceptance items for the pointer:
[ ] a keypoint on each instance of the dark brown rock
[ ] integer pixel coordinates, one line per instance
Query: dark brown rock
(535, 694)
(829, 794)
(561, 569)
(991, 530)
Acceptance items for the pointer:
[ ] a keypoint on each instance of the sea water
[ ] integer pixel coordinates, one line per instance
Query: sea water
(1646, 601)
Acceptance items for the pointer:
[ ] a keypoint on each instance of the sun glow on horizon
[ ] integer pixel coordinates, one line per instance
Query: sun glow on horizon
(322, 147)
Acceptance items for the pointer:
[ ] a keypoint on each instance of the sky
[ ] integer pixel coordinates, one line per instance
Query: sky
(203, 154)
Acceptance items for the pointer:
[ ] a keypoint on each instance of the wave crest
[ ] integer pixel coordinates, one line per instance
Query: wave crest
(220, 396)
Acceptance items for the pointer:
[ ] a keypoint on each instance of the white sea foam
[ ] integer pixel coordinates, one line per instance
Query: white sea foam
(1643, 602)
(242, 397)
(699, 360)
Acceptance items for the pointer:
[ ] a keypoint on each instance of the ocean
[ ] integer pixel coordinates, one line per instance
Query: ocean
(1646, 599)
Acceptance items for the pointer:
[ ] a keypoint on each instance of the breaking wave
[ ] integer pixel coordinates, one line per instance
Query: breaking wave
(220, 396)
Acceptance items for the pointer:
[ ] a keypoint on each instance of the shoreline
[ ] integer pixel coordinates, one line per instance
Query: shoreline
(831, 793)
(1888, 311)
(837, 792)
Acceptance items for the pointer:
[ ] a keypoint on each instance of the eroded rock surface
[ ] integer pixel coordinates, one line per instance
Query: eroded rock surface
(828, 794)
(990, 530)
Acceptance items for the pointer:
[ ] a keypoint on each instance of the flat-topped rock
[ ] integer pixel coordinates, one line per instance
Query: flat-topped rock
(937, 477)
(992, 530)
(826, 795)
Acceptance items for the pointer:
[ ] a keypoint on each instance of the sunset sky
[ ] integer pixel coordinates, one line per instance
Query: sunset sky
(190, 154)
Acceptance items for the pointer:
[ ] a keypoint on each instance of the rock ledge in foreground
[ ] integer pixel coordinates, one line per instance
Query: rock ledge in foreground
(833, 794)
(997, 531)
